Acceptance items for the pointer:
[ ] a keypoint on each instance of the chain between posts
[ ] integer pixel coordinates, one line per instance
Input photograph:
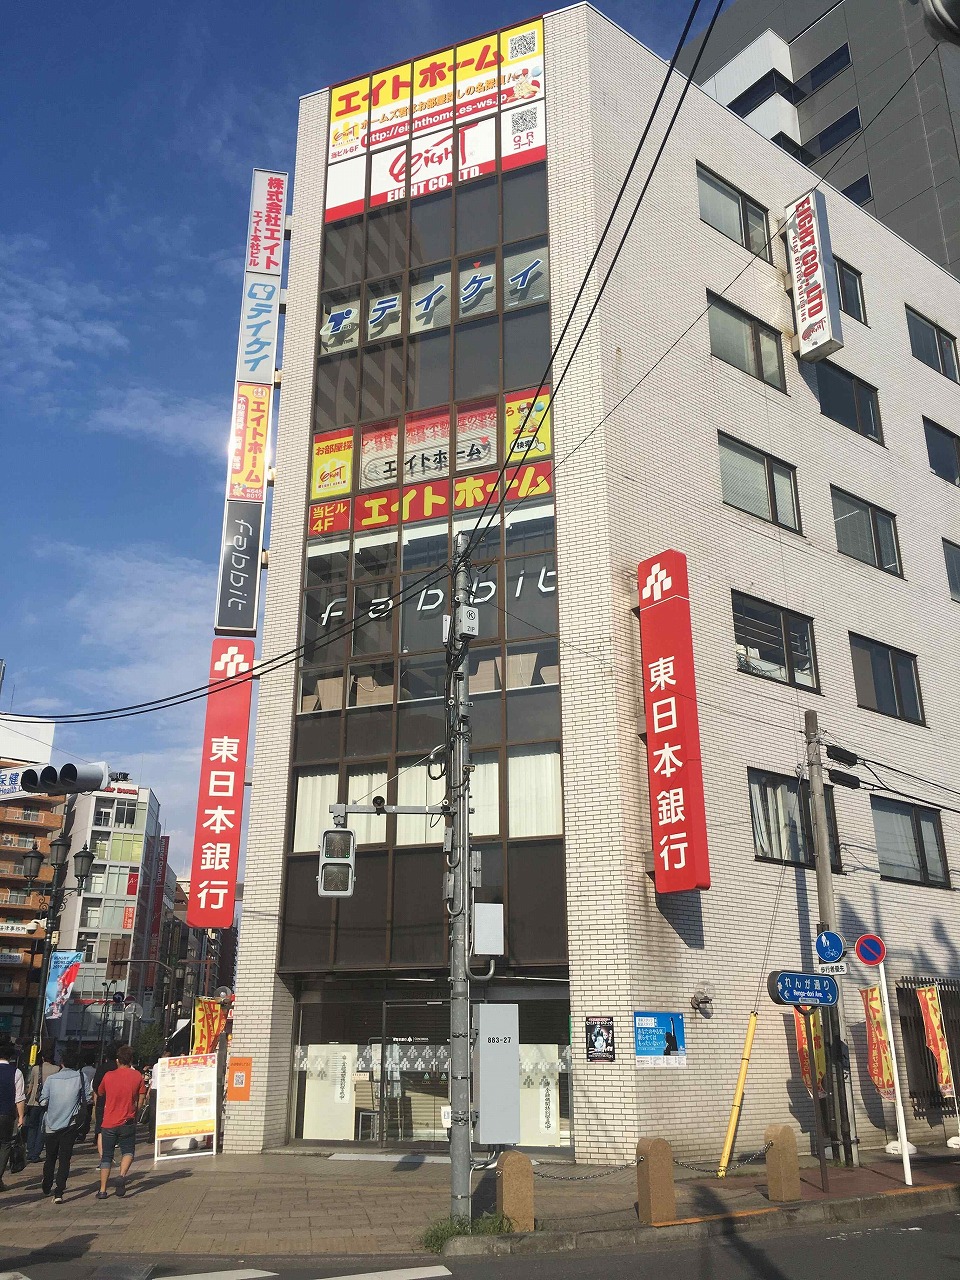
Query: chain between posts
(587, 1177)
(714, 1172)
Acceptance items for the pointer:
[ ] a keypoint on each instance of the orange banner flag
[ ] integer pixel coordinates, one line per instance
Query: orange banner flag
(936, 1038)
(819, 1053)
(878, 1049)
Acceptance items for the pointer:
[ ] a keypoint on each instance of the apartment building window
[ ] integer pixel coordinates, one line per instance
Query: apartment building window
(943, 450)
(886, 679)
(848, 400)
(851, 291)
(125, 814)
(773, 642)
(102, 815)
(780, 817)
(746, 342)
(758, 483)
(909, 842)
(830, 137)
(90, 914)
(732, 213)
(859, 191)
(933, 345)
(951, 553)
(866, 532)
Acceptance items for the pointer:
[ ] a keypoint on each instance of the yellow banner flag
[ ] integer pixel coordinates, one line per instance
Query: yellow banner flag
(209, 1020)
(879, 1063)
(936, 1038)
(819, 1052)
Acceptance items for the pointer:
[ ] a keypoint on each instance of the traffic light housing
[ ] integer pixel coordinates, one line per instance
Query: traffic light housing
(338, 855)
(942, 19)
(70, 779)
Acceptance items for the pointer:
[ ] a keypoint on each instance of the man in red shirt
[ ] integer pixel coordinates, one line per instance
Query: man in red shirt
(123, 1092)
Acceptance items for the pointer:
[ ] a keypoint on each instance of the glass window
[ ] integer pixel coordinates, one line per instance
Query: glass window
(378, 454)
(773, 642)
(484, 580)
(384, 309)
(530, 602)
(430, 298)
(375, 554)
(327, 562)
(886, 679)
(324, 622)
(485, 793)
(933, 345)
(422, 679)
(339, 321)
(825, 70)
(426, 445)
(428, 370)
(851, 291)
(835, 133)
(125, 814)
(421, 612)
(742, 340)
(865, 532)
(431, 220)
(534, 794)
(336, 404)
(951, 553)
(370, 684)
(364, 781)
(381, 383)
(524, 203)
(943, 450)
(477, 369)
(732, 213)
(758, 483)
(529, 529)
(386, 242)
(417, 918)
(848, 400)
(373, 612)
(526, 348)
(342, 253)
(478, 216)
(416, 787)
(477, 285)
(909, 842)
(526, 274)
(536, 914)
(321, 690)
(476, 435)
(424, 545)
(483, 532)
(780, 815)
(860, 192)
(316, 792)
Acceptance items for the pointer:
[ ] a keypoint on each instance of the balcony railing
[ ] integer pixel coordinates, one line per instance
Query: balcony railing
(20, 898)
(28, 817)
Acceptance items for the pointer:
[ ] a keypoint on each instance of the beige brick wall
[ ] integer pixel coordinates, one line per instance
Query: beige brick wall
(265, 1006)
(649, 479)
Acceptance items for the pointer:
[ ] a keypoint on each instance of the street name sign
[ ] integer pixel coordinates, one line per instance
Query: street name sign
(786, 987)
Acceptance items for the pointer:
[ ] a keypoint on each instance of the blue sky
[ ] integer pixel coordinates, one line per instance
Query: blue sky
(130, 131)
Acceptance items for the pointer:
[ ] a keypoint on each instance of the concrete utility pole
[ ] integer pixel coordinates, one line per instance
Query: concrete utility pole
(842, 1086)
(463, 625)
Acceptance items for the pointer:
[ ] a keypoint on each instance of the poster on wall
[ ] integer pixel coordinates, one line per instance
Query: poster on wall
(540, 1095)
(659, 1039)
(329, 1101)
(600, 1042)
(187, 1107)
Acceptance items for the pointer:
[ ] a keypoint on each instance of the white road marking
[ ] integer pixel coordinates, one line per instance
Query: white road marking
(404, 1273)
(247, 1274)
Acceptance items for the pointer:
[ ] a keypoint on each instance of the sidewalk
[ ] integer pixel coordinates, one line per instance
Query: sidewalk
(310, 1204)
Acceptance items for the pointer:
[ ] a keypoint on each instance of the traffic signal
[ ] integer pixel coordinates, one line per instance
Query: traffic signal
(68, 780)
(118, 955)
(338, 850)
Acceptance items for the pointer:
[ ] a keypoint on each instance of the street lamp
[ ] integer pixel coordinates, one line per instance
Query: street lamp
(32, 862)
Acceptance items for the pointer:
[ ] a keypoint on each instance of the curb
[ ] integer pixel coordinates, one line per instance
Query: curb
(750, 1222)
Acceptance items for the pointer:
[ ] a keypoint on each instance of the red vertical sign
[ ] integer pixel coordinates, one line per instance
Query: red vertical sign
(677, 813)
(216, 844)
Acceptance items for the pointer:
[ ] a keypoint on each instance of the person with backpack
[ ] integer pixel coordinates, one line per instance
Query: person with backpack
(40, 1073)
(64, 1097)
(123, 1091)
(12, 1103)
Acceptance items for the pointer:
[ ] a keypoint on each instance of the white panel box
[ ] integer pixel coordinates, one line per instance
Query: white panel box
(496, 1074)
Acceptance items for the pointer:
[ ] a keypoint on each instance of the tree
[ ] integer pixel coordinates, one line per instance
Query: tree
(148, 1042)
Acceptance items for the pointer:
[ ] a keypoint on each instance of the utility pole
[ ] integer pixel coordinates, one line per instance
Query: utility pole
(463, 625)
(838, 1053)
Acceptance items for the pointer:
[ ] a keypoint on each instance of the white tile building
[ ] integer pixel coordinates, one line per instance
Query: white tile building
(637, 469)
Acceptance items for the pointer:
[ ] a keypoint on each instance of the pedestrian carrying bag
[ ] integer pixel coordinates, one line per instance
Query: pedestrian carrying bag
(18, 1152)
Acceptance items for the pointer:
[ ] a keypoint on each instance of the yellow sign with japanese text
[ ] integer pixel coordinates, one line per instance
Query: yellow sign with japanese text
(248, 442)
(349, 105)
(528, 425)
(332, 471)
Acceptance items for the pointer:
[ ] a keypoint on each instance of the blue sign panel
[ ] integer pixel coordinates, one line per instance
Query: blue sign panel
(802, 988)
(659, 1040)
(830, 946)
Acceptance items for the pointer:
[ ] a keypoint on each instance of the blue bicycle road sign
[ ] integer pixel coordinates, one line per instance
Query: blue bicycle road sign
(830, 946)
(802, 988)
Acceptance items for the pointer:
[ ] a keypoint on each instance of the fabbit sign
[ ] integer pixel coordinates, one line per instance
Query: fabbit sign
(813, 274)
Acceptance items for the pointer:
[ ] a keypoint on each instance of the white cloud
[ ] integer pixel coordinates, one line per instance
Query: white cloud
(168, 419)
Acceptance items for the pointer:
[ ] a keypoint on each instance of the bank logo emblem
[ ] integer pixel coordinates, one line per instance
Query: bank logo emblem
(231, 661)
(657, 583)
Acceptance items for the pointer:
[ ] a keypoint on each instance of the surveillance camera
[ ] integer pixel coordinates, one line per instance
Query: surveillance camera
(379, 803)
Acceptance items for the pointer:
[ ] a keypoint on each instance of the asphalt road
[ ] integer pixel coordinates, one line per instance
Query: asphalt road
(899, 1250)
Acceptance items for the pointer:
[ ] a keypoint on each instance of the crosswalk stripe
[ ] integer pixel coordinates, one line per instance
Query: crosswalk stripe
(247, 1274)
(404, 1273)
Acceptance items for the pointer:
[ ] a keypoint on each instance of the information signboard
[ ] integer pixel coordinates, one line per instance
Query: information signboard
(188, 1106)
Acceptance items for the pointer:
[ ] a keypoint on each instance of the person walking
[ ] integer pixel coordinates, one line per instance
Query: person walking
(107, 1063)
(88, 1069)
(64, 1097)
(40, 1072)
(13, 1104)
(123, 1092)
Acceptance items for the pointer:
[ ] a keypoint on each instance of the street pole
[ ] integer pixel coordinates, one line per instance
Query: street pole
(53, 912)
(897, 1093)
(819, 1138)
(458, 782)
(840, 1082)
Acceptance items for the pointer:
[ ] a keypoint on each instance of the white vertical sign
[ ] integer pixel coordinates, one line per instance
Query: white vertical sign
(816, 295)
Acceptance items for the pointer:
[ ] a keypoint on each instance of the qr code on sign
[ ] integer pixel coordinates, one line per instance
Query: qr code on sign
(522, 46)
(522, 121)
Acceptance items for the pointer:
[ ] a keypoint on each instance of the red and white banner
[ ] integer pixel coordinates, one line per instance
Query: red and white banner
(677, 814)
(216, 844)
(268, 207)
(813, 274)
(936, 1038)
(879, 1062)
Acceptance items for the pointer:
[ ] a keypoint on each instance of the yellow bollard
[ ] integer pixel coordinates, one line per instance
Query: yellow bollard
(737, 1097)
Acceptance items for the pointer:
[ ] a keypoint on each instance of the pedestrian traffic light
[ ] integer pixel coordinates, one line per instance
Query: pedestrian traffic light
(68, 780)
(338, 850)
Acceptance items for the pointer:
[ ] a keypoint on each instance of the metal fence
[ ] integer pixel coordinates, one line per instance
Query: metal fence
(921, 1066)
